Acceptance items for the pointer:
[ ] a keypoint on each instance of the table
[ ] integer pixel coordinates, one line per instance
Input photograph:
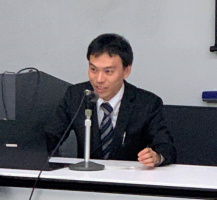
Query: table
(121, 177)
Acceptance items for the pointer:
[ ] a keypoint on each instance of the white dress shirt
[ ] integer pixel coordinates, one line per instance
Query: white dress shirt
(115, 102)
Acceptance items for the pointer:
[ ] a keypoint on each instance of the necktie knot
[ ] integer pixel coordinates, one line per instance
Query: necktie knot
(107, 108)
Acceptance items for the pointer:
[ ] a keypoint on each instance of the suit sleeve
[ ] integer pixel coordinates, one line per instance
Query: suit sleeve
(160, 139)
(58, 123)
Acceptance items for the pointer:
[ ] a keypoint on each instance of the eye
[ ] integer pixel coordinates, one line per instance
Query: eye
(109, 71)
(92, 69)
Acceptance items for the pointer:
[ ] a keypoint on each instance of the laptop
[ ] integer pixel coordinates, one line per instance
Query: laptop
(22, 141)
(22, 148)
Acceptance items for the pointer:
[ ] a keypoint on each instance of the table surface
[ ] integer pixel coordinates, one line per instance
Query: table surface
(129, 173)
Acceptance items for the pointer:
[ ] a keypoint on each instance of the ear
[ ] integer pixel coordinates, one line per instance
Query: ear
(127, 71)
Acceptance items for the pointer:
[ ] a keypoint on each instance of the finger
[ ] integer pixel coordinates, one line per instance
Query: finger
(145, 156)
(144, 151)
(148, 162)
(151, 165)
(151, 157)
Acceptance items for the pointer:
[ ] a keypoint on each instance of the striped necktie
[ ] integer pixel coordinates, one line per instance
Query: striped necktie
(106, 130)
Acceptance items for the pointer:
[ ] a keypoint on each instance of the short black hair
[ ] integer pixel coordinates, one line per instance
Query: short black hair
(113, 44)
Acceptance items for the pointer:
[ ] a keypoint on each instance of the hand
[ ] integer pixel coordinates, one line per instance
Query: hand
(148, 157)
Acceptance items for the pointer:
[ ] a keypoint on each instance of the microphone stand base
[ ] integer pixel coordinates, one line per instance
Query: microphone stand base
(86, 166)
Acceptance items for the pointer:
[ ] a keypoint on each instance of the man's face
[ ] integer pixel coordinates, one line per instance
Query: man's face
(106, 75)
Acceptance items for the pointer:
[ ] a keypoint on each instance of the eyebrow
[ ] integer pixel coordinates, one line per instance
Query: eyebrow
(92, 64)
(107, 67)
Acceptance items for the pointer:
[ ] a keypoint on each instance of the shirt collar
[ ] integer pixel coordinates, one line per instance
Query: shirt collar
(113, 101)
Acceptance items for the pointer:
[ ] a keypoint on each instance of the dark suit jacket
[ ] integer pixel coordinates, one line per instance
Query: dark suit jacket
(140, 116)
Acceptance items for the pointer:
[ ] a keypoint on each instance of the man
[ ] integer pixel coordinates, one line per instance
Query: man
(127, 122)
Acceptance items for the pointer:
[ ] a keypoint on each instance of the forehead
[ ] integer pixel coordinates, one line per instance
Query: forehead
(105, 60)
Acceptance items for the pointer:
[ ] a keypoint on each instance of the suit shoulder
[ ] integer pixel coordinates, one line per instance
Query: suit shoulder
(80, 87)
(144, 95)
(75, 92)
(148, 93)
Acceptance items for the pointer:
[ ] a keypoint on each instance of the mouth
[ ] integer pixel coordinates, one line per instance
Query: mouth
(100, 89)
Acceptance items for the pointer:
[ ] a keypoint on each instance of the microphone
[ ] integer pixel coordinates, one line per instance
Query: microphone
(91, 96)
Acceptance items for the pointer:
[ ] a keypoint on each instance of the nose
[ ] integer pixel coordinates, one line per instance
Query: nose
(100, 77)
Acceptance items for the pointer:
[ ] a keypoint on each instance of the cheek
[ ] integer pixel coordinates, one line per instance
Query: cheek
(90, 75)
(116, 83)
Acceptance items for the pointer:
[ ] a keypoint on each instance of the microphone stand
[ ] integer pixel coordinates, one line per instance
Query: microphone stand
(87, 165)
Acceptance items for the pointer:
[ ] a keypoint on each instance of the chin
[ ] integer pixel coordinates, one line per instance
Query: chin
(102, 97)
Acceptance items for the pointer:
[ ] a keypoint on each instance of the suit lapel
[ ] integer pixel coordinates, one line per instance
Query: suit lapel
(124, 114)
